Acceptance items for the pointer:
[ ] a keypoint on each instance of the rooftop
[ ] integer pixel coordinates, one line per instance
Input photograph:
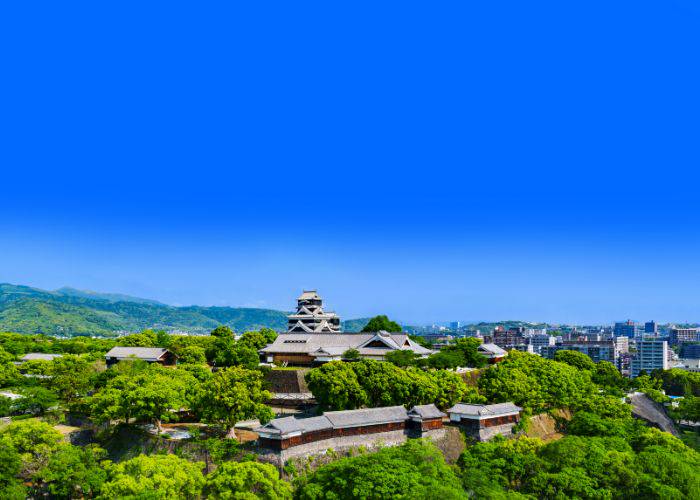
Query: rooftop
(145, 353)
(40, 356)
(426, 411)
(338, 343)
(485, 410)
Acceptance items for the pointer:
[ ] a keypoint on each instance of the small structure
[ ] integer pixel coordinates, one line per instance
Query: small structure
(483, 422)
(492, 352)
(309, 349)
(425, 418)
(39, 356)
(284, 438)
(309, 316)
(148, 354)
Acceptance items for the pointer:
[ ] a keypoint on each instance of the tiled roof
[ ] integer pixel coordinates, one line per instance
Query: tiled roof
(39, 356)
(484, 410)
(309, 295)
(367, 416)
(493, 349)
(145, 353)
(308, 343)
(288, 425)
(426, 411)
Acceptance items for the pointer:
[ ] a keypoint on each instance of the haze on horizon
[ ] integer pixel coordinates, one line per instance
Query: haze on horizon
(464, 163)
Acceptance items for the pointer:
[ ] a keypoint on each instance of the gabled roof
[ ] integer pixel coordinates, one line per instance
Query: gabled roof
(309, 295)
(485, 410)
(492, 349)
(426, 411)
(309, 343)
(289, 425)
(40, 356)
(367, 416)
(145, 353)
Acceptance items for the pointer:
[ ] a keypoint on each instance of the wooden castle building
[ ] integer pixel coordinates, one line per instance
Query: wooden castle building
(284, 438)
(483, 422)
(310, 317)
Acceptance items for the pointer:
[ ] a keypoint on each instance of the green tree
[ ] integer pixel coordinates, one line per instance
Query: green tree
(444, 360)
(10, 465)
(234, 394)
(258, 340)
(414, 470)
(536, 384)
(150, 395)
(379, 323)
(163, 339)
(71, 377)
(36, 400)
(222, 331)
(402, 358)
(9, 375)
(351, 355)
(576, 359)
(6, 406)
(73, 472)
(469, 349)
(155, 476)
(247, 480)
(335, 386)
(35, 441)
(147, 338)
(192, 355)
(609, 377)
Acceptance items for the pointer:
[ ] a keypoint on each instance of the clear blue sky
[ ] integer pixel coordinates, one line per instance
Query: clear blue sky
(431, 161)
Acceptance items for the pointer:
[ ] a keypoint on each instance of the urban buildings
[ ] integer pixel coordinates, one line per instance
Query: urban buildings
(682, 335)
(540, 340)
(596, 350)
(650, 355)
(625, 329)
(651, 328)
(310, 318)
(690, 351)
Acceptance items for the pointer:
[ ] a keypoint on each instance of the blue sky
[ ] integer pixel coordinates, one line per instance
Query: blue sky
(514, 160)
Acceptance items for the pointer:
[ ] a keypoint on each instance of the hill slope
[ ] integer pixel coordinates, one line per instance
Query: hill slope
(74, 312)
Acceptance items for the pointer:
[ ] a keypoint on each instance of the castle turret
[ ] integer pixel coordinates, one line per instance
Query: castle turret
(310, 318)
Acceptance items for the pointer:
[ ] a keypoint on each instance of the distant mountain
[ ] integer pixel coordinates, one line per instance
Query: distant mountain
(68, 311)
(73, 312)
(354, 325)
(111, 297)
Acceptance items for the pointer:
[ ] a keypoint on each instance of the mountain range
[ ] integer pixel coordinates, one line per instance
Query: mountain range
(70, 312)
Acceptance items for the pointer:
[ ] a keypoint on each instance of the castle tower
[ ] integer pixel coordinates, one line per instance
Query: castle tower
(310, 318)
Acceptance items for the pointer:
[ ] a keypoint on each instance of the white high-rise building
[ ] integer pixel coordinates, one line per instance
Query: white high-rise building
(650, 355)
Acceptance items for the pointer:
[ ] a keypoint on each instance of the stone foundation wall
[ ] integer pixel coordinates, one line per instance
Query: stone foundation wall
(488, 433)
(344, 444)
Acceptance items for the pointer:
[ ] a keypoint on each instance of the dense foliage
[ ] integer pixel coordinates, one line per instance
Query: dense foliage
(643, 464)
(382, 323)
(342, 386)
(604, 453)
(415, 470)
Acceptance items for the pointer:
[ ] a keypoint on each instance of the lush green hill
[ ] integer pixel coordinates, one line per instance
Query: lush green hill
(355, 325)
(73, 312)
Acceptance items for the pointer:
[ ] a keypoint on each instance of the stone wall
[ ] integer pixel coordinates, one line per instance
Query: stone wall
(346, 443)
(488, 433)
